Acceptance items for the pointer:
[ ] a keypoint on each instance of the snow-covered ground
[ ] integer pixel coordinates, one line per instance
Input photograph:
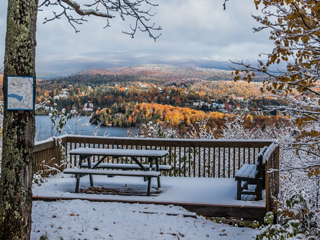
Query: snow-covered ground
(81, 219)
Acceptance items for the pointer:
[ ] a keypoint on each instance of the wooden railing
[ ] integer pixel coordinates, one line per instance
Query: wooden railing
(188, 157)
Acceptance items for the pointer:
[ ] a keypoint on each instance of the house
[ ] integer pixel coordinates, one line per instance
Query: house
(87, 107)
(73, 111)
(195, 104)
(142, 85)
(238, 98)
(217, 105)
(65, 91)
(48, 108)
(198, 103)
(63, 96)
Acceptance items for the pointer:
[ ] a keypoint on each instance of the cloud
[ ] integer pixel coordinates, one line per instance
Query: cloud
(195, 33)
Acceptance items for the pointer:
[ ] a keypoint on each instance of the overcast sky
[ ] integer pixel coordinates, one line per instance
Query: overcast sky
(195, 33)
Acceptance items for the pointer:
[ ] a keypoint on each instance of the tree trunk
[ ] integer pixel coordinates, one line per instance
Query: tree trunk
(18, 126)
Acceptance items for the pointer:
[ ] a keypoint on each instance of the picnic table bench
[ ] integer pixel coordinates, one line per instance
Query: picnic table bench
(251, 174)
(130, 170)
(128, 166)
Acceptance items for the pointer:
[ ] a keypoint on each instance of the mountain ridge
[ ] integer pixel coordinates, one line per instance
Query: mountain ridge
(162, 71)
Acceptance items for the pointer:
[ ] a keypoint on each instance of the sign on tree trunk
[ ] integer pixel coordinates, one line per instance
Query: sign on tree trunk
(20, 93)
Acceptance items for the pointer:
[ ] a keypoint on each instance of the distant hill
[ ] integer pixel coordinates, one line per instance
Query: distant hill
(52, 75)
(162, 72)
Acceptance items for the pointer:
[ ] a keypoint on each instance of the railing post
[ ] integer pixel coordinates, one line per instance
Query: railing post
(277, 166)
(272, 179)
(267, 187)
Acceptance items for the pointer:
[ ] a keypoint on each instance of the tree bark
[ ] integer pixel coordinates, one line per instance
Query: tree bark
(18, 126)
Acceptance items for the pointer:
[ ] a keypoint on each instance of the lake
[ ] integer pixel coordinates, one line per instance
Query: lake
(76, 126)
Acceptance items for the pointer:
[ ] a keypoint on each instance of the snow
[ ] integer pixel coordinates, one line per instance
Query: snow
(247, 171)
(84, 219)
(50, 139)
(262, 151)
(79, 219)
(268, 152)
(119, 152)
(217, 191)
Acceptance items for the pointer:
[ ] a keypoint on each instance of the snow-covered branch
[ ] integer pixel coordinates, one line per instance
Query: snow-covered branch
(139, 10)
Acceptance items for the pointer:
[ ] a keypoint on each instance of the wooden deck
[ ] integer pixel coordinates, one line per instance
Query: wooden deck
(210, 197)
(191, 159)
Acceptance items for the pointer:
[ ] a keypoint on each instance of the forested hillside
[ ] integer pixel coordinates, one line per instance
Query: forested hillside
(132, 114)
(158, 93)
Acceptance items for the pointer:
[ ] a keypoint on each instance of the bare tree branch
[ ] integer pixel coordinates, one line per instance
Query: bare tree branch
(225, 4)
(140, 10)
(82, 12)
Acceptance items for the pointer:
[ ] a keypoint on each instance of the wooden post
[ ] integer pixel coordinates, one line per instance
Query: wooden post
(209, 163)
(170, 161)
(214, 163)
(234, 162)
(276, 166)
(267, 187)
(219, 164)
(229, 162)
(239, 162)
(239, 190)
(189, 149)
(180, 160)
(199, 163)
(224, 162)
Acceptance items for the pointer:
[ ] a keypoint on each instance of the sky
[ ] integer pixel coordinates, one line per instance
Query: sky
(195, 34)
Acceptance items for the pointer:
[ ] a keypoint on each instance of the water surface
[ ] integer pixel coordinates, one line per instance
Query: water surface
(76, 126)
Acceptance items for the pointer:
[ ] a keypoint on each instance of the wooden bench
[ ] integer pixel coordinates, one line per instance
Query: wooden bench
(124, 166)
(251, 174)
(81, 172)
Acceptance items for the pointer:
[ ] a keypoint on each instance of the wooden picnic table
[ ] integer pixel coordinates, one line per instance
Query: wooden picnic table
(147, 173)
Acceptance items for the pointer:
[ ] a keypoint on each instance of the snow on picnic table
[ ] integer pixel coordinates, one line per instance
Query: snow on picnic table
(81, 219)
(118, 152)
